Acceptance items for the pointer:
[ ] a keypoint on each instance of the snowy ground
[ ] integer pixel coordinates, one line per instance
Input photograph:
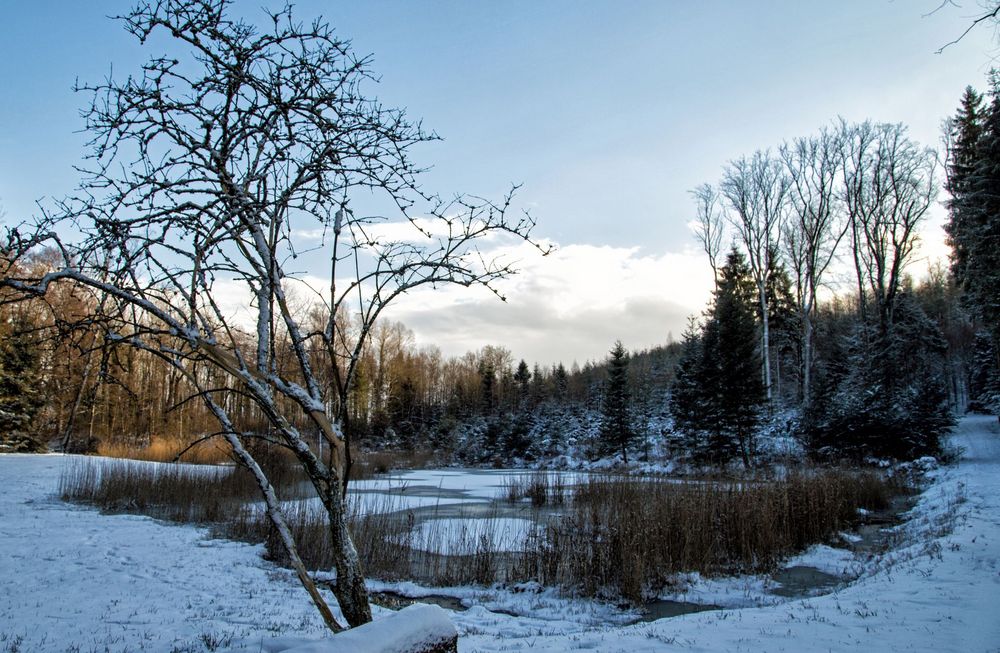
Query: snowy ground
(72, 579)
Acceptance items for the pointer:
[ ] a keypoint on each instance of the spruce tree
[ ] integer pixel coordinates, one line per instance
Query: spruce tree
(718, 392)
(562, 381)
(964, 133)
(974, 211)
(740, 390)
(617, 431)
(521, 378)
(19, 395)
(688, 393)
(981, 279)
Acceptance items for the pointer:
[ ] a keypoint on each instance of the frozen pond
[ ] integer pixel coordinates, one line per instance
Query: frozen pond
(452, 511)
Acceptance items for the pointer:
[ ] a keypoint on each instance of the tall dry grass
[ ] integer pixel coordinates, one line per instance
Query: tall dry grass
(215, 451)
(541, 488)
(626, 536)
(176, 492)
(167, 449)
(370, 464)
(617, 536)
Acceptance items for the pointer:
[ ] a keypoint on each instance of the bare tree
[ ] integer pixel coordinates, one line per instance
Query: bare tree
(989, 14)
(756, 189)
(203, 175)
(815, 226)
(889, 184)
(709, 225)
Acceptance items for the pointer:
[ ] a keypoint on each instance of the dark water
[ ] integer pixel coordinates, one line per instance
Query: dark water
(395, 601)
(800, 581)
(664, 609)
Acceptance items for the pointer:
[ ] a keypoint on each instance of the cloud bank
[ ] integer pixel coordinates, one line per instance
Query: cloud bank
(569, 306)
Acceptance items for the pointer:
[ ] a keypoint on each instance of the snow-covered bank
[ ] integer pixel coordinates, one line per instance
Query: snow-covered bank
(73, 579)
(938, 593)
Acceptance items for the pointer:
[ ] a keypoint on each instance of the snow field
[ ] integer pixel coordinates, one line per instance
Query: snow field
(72, 579)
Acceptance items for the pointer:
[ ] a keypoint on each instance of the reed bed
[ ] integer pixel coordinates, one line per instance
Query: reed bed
(175, 492)
(215, 451)
(369, 464)
(166, 449)
(541, 488)
(623, 536)
(614, 536)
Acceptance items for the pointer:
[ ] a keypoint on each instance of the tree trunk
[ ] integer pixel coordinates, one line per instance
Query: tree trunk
(765, 342)
(807, 333)
(350, 587)
(281, 526)
(71, 419)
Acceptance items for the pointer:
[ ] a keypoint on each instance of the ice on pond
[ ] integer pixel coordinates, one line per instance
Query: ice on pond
(466, 536)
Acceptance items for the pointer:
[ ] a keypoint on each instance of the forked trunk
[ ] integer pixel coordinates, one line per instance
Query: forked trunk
(350, 590)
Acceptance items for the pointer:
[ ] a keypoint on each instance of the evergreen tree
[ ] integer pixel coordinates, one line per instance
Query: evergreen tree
(964, 132)
(522, 377)
(786, 334)
(689, 405)
(20, 398)
(562, 381)
(867, 412)
(718, 392)
(981, 279)
(740, 392)
(487, 384)
(617, 431)
(974, 211)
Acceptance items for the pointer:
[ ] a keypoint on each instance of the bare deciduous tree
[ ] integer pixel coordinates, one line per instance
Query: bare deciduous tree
(709, 225)
(815, 226)
(757, 191)
(889, 184)
(204, 172)
(990, 14)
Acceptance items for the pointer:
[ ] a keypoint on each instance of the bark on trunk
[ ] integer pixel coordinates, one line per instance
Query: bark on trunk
(807, 332)
(280, 525)
(766, 343)
(350, 590)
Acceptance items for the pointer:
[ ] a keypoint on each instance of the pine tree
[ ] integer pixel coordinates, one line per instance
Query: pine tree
(562, 381)
(617, 431)
(687, 393)
(521, 378)
(981, 279)
(19, 395)
(487, 384)
(964, 132)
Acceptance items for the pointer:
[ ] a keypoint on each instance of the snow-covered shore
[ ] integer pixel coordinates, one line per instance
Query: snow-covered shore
(73, 579)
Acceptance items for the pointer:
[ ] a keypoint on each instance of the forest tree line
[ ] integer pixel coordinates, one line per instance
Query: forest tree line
(876, 368)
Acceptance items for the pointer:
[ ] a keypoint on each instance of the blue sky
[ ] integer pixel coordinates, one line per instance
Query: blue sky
(606, 112)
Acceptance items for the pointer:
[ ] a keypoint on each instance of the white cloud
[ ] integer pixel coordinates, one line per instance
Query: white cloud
(570, 305)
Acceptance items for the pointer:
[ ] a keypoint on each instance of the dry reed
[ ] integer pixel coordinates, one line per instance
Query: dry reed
(617, 536)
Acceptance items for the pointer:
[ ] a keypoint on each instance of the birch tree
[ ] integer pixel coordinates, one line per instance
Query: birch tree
(204, 170)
